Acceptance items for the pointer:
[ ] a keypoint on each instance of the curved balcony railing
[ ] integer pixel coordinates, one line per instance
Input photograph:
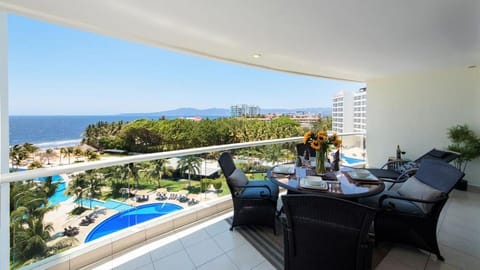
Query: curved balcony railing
(351, 141)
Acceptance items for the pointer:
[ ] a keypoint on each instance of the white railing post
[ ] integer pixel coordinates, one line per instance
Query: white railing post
(4, 147)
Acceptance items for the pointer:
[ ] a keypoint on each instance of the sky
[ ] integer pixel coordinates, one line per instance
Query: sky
(55, 70)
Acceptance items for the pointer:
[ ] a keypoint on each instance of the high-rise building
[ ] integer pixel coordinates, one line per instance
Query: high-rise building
(244, 110)
(349, 111)
(360, 110)
(342, 112)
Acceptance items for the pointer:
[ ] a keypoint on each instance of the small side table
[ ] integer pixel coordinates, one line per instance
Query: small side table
(394, 164)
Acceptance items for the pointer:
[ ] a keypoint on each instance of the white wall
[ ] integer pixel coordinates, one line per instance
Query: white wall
(415, 112)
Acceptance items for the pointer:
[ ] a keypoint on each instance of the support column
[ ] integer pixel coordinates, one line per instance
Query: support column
(4, 147)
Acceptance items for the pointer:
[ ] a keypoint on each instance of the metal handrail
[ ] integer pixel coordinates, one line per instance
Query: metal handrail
(42, 172)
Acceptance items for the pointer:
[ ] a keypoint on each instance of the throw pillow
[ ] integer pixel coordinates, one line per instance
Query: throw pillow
(413, 188)
(407, 166)
(238, 178)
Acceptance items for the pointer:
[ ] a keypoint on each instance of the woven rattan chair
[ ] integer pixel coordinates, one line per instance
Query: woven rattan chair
(409, 213)
(323, 232)
(254, 202)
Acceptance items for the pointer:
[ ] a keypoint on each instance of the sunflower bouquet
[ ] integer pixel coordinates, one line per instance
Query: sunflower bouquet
(321, 143)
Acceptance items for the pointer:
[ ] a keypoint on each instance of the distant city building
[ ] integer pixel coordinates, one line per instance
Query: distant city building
(360, 110)
(244, 110)
(349, 111)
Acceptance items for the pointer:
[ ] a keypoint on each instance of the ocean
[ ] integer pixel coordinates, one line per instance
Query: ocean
(61, 131)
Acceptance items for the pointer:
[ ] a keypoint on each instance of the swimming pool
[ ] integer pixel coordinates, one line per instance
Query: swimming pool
(351, 160)
(131, 217)
(110, 204)
(59, 195)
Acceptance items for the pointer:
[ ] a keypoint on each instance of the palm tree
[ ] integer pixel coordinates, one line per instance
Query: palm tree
(29, 233)
(79, 194)
(92, 155)
(30, 148)
(18, 154)
(132, 170)
(158, 170)
(48, 153)
(273, 153)
(32, 236)
(77, 152)
(35, 165)
(189, 165)
(66, 152)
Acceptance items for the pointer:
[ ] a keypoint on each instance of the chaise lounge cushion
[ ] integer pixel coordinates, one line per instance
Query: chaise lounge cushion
(438, 154)
(413, 188)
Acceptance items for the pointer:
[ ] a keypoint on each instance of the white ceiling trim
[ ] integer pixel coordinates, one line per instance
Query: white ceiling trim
(343, 39)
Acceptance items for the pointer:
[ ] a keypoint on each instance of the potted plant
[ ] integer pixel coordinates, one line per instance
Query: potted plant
(465, 142)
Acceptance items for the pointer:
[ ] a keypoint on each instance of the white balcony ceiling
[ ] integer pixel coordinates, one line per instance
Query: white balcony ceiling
(344, 39)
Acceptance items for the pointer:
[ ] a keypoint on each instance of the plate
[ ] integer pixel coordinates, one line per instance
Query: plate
(284, 169)
(363, 175)
(313, 182)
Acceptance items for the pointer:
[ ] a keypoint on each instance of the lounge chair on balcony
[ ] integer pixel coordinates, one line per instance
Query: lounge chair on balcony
(254, 202)
(402, 169)
(409, 212)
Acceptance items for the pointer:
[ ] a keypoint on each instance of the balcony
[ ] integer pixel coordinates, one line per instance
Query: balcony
(422, 78)
(210, 245)
(62, 218)
(173, 241)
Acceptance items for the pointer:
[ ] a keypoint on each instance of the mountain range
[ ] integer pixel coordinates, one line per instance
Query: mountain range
(226, 112)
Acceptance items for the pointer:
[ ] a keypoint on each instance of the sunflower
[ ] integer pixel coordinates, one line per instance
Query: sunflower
(337, 143)
(315, 145)
(322, 133)
(322, 138)
(307, 137)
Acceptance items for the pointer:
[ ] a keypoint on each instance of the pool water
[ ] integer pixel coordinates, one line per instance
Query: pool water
(351, 160)
(131, 217)
(110, 204)
(59, 195)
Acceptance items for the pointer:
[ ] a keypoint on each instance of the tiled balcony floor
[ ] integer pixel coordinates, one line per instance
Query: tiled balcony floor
(212, 246)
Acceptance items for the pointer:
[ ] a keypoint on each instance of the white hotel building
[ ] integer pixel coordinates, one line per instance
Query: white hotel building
(360, 110)
(349, 111)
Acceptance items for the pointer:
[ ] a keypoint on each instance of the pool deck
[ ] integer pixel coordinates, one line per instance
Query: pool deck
(60, 217)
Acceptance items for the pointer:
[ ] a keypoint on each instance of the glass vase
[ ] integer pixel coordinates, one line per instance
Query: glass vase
(321, 157)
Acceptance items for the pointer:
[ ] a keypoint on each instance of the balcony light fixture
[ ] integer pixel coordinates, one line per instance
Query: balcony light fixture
(256, 55)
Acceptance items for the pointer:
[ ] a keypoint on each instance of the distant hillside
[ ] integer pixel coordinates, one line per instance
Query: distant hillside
(323, 111)
(226, 112)
(188, 112)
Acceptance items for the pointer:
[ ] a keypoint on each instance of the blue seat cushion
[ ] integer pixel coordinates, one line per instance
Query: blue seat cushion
(257, 189)
(403, 206)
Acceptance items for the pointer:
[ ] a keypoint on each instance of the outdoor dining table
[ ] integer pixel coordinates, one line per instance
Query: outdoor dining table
(345, 183)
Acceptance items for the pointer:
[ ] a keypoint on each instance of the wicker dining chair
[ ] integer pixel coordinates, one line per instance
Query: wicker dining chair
(254, 202)
(322, 232)
(409, 212)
